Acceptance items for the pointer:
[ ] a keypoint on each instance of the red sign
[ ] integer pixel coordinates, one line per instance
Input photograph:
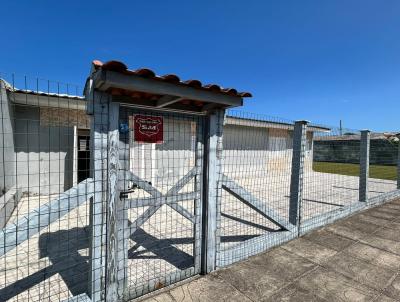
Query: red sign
(149, 129)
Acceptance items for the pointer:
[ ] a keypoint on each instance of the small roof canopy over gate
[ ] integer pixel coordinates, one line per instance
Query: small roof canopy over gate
(110, 85)
(142, 87)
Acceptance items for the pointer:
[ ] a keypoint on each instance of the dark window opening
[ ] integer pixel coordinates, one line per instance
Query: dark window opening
(83, 155)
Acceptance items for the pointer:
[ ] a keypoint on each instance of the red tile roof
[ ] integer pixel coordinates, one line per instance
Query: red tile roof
(171, 78)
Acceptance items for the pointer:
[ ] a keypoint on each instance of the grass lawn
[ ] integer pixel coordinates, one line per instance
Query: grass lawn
(375, 171)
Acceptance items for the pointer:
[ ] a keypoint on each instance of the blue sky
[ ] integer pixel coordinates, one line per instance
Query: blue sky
(317, 60)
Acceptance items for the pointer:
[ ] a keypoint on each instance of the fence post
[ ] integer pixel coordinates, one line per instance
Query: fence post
(398, 162)
(107, 263)
(116, 220)
(212, 189)
(199, 157)
(364, 165)
(97, 215)
(296, 181)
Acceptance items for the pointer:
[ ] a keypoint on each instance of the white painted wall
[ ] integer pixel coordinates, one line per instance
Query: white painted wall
(7, 157)
(44, 154)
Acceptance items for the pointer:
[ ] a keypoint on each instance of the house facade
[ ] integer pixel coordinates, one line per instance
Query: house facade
(40, 140)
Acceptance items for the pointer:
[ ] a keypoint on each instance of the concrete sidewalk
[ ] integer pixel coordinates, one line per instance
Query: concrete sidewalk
(355, 259)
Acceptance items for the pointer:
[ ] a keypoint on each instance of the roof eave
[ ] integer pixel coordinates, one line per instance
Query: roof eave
(106, 79)
(47, 100)
(232, 120)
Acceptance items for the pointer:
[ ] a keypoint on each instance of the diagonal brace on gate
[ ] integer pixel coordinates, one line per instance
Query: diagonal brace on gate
(253, 202)
(171, 198)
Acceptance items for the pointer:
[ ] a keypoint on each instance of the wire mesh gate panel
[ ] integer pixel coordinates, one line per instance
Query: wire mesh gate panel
(162, 199)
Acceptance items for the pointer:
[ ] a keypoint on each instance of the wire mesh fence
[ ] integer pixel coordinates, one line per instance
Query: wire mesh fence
(256, 164)
(383, 163)
(258, 170)
(332, 177)
(43, 217)
(58, 215)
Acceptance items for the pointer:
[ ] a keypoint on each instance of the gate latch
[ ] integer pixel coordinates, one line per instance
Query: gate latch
(124, 194)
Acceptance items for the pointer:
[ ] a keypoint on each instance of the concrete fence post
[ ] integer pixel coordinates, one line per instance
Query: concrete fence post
(364, 165)
(398, 162)
(296, 181)
(117, 249)
(107, 255)
(212, 189)
(97, 216)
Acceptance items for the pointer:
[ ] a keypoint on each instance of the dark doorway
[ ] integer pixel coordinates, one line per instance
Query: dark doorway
(83, 154)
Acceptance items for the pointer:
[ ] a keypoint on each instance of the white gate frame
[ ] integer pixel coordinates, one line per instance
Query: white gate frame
(109, 223)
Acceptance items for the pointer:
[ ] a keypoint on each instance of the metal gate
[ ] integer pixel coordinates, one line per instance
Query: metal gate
(162, 198)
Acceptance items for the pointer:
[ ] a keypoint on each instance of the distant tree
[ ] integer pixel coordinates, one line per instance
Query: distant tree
(394, 139)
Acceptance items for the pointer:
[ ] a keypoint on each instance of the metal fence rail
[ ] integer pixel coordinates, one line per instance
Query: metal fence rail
(90, 213)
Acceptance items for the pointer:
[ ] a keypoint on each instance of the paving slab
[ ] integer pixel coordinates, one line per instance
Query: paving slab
(210, 289)
(282, 263)
(391, 209)
(383, 298)
(373, 276)
(374, 256)
(393, 290)
(388, 233)
(382, 243)
(295, 293)
(391, 214)
(370, 219)
(393, 225)
(333, 286)
(357, 224)
(383, 214)
(391, 205)
(309, 250)
(347, 231)
(329, 239)
(256, 284)
(396, 202)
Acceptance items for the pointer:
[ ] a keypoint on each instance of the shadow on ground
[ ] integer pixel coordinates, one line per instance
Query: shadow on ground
(62, 249)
